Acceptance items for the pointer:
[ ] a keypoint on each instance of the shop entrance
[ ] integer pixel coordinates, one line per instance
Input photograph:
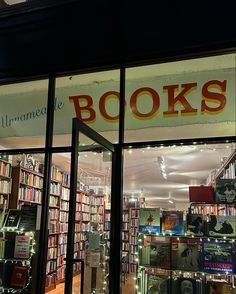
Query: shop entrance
(88, 240)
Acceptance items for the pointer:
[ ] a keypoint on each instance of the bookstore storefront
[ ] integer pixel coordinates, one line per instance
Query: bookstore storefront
(147, 169)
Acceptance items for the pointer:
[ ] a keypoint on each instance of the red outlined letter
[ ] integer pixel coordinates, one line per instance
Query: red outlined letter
(218, 98)
(155, 99)
(88, 108)
(102, 105)
(180, 98)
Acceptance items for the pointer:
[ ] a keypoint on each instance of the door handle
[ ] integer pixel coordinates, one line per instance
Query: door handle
(73, 260)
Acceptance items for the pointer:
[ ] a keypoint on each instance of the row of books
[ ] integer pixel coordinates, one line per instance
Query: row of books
(27, 178)
(5, 187)
(188, 254)
(30, 194)
(5, 169)
(60, 175)
(216, 209)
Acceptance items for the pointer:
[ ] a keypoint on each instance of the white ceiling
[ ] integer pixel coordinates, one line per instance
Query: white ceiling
(184, 166)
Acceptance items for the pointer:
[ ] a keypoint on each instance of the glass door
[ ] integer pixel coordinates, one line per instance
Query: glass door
(88, 238)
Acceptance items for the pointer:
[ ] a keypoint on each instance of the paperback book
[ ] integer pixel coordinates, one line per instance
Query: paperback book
(218, 257)
(149, 220)
(186, 254)
(19, 276)
(172, 222)
(156, 252)
(220, 225)
(195, 224)
(225, 191)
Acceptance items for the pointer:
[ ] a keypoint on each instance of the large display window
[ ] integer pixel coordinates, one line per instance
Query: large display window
(179, 219)
(148, 226)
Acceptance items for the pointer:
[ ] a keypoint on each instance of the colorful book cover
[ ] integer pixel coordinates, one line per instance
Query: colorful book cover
(195, 224)
(218, 257)
(221, 225)
(186, 286)
(186, 254)
(156, 252)
(214, 287)
(225, 191)
(149, 220)
(157, 284)
(19, 276)
(172, 222)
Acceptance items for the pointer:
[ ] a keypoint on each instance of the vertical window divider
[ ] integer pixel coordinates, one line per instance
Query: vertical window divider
(43, 234)
(117, 199)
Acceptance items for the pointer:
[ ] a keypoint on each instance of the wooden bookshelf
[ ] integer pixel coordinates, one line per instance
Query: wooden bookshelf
(27, 187)
(107, 226)
(5, 182)
(134, 224)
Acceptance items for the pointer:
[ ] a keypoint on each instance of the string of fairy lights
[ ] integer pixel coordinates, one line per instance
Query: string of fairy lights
(25, 262)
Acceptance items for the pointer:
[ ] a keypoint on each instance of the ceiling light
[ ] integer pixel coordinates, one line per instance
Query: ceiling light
(160, 160)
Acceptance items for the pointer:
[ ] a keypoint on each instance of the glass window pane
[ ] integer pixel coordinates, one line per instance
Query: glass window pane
(93, 215)
(23, 114)
(178, 220)
(93, 98)
(21, 184)
(58, 223)
(184, 99)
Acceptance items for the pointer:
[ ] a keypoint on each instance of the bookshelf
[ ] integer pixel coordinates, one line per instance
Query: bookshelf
(82, 224)
(5, 182)
(125, 243)
(134, 224)
(107, 226)
(226, 171)
(97, 212)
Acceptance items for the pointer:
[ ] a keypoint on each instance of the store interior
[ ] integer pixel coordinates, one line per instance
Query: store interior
(154, 177)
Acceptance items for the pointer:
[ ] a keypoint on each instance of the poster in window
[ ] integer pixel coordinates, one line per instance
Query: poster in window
(22, 247)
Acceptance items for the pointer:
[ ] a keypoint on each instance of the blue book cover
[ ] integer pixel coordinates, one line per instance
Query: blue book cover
(172, 222)
(218, 257)
(149, 220)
